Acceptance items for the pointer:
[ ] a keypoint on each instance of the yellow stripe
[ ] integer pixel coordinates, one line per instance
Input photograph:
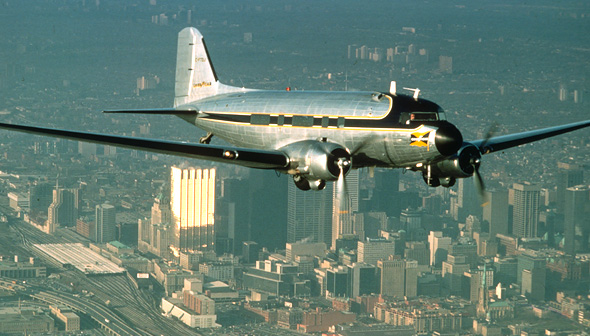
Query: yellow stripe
(401, 130)
(308, 115)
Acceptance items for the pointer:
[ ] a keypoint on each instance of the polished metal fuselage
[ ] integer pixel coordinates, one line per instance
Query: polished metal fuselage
(366, 123)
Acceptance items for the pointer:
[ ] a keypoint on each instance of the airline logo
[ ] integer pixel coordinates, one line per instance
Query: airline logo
(419, 139)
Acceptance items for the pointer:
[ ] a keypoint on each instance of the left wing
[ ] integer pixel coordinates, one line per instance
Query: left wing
(512, 140)
(253, 158)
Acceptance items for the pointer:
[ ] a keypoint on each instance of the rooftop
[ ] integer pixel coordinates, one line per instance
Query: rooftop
(82, 258)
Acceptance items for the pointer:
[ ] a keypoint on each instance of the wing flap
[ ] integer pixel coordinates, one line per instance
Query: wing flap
(512, 140)
(263, 159)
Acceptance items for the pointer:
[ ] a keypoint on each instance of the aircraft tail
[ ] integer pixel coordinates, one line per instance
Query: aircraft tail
(195, 76)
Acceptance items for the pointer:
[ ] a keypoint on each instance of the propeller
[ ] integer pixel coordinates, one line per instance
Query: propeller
(343, 206)
(345, 164)
(475, 162)
(479, 183)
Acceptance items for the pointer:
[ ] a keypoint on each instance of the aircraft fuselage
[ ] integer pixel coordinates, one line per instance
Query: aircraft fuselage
(379, 129)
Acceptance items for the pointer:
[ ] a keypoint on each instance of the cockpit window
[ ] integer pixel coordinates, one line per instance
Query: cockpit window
(423, 116)
(407, 117)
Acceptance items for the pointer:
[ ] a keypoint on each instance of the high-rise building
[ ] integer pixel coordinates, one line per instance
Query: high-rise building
(371, 250)
(250, 251)
(528, 261)
(576, 222)
(309, 215)
(385, 197)
(533, 284)
(155, 234)
(337, 281)
(568, 175)
(399, 277)
(63, 210)
(105, 223)
(439, 247)
(161, 211)
(452, 272)
(192, 200)
(362, 280)
(526, 210)
(417, 251)
(343, 214)
(40, 197)
(468, 202)
(496, 212)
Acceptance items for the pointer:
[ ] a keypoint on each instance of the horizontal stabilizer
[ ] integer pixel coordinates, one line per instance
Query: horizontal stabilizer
(253, 158)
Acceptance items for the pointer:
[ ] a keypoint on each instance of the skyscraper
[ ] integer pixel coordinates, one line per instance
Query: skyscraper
(63, 210)
(154, 234)
(496, 212)
(576, 220)
(399, 277)
(526, 210)
(40, 196)
(468, 202)
(161, 212)
(309, 215)
(343, 214)
(385, 197)
(568, 175)
(192, 196)
(439, 247)
(105, 223)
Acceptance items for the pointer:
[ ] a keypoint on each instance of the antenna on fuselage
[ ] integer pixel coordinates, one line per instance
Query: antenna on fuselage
(393, 88)
(416, 92)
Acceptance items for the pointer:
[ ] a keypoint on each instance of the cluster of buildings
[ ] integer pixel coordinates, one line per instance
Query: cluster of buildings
(388, 257)
(405, 57)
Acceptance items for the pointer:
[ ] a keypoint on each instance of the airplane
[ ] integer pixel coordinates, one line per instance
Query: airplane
(315, 136)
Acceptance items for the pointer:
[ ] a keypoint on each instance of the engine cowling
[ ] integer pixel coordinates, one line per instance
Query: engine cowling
(318, 160)
(461, 165)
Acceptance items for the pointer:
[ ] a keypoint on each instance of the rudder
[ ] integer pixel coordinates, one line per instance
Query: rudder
(195, 76)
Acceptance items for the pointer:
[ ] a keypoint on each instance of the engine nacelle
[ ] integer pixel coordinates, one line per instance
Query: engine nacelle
(317, 160)
(461, 165)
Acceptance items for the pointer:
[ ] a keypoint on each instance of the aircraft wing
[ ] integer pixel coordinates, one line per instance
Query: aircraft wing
(263, 159)
(512, 140)
(163, 111)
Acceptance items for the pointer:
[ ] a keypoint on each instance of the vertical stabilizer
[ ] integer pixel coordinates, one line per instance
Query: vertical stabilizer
(195, 76)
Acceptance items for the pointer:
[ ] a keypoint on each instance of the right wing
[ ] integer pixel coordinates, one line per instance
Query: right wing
(512, 140)
(253, 158)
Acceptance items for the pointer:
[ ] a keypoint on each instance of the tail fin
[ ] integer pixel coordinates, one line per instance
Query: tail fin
(195, 76)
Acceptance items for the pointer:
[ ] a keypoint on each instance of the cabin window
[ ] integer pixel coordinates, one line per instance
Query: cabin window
(281, 120)
(325, 122)
(303, 121)
(341, 122)
(260, 119)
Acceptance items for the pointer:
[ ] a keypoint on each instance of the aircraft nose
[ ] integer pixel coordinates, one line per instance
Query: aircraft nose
(448, 139)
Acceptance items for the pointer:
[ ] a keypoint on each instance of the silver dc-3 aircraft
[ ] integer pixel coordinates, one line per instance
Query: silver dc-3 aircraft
(315, 136)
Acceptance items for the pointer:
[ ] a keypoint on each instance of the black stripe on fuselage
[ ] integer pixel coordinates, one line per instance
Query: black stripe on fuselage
(318, 121)
(402, 105)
